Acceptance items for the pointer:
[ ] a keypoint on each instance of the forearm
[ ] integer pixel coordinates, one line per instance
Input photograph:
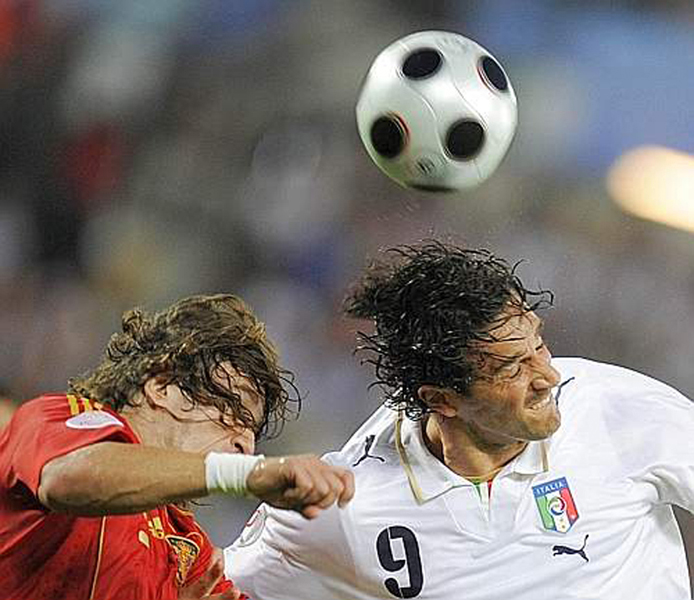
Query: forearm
(110, 478)
(114, 478)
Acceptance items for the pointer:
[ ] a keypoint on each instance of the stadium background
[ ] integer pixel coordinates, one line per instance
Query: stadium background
(152, 149)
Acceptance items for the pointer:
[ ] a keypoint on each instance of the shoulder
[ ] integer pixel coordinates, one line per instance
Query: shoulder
(55, 406)
(44, 406)
(609, 382)
(375, 436)
(592, 392)
(67, 413)
(39, 412)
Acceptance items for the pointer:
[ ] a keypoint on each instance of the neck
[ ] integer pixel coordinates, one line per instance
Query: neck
(154, 427)
(465, 450)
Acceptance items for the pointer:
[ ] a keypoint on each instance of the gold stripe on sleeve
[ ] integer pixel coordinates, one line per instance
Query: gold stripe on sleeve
(87, 404)
(74, 407)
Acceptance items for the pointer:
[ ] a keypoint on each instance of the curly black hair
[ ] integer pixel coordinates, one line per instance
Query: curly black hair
(187, 344)
(429, 303)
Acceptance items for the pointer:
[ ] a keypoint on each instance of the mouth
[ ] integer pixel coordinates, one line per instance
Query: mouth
(541, 404)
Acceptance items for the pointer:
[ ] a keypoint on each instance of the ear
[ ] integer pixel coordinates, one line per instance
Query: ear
(155, 390)
(438, 399)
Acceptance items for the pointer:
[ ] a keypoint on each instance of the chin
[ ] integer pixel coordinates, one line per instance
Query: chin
(541, 429)
(549, 427)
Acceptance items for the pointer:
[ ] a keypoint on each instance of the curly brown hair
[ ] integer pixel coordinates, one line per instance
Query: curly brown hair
(186, 345)
(430, 305)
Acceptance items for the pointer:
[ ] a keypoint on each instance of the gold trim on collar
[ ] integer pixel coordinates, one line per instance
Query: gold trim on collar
(414, 486)
(545, 457)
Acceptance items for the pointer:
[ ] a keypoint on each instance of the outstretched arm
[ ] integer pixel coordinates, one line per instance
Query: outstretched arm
(115, 478)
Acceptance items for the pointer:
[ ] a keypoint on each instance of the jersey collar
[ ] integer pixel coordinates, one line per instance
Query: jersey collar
(430, 478)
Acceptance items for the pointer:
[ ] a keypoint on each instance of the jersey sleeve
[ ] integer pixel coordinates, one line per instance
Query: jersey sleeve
(48, 427)
(281, 555)
(654, 431)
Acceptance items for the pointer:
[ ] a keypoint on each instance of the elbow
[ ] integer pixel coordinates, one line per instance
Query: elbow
(66, 486)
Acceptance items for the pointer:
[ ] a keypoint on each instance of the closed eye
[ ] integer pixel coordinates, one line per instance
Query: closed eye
(511, 370)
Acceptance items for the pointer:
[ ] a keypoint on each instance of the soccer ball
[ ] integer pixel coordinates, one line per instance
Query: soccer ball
(437, 112)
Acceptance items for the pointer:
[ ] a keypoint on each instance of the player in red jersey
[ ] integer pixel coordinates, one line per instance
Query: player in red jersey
(93, 483)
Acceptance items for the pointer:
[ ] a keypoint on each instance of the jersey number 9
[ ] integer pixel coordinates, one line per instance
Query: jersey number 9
(395, 536)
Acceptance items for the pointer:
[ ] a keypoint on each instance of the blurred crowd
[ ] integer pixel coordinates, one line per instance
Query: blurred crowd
(152, 149)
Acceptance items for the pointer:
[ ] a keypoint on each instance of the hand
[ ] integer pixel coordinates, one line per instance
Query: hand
(200, 589)
(302, 483)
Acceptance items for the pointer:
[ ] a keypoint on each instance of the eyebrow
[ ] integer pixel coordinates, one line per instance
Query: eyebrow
(506, 360)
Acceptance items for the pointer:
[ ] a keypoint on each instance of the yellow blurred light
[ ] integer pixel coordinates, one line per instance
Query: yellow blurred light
(655, 183)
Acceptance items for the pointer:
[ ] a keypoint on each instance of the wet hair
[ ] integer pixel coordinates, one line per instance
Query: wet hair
(187, 345)
(430, 303)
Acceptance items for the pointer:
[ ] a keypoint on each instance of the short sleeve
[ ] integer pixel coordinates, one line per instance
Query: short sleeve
(52, 426)
(668, 449)
(651, 428)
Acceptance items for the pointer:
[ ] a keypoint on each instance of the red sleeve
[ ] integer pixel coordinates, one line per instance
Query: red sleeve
(52, 426)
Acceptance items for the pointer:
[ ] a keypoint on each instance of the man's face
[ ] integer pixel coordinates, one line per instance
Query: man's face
(511, 398)
(204, 431)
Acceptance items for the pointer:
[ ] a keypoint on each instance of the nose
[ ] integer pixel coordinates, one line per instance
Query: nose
(546, 376)
(244, 442)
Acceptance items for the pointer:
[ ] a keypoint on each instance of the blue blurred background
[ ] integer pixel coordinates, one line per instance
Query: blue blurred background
(151, 149)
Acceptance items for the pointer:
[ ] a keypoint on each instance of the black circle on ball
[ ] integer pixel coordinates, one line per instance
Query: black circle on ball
(494, 73)
(422, 63)
(387, 136)
(465, 139)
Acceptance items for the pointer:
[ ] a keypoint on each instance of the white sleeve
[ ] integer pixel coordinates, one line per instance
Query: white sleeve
(280, 555)
(659, 444)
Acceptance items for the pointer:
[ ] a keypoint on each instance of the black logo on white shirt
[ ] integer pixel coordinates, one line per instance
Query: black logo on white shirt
(368, 442)
(557, 550)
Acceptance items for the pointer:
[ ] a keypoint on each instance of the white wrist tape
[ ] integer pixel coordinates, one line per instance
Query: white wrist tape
(228, 472)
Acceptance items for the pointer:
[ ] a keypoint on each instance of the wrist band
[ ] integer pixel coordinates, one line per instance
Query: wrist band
(227, 473)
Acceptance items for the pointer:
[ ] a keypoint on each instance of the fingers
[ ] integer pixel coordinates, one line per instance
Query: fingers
(320, 485)
(304, 483)
(202, 588)
(348, 492)
(310, 512)
(233, 594)
(206, 583)
(308, 487)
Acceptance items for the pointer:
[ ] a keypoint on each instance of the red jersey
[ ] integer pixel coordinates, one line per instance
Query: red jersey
(46, 555)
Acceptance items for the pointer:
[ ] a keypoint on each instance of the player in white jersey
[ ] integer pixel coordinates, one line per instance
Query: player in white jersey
(492, 471)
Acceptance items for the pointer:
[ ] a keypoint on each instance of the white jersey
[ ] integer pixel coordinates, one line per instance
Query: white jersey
(586, 514)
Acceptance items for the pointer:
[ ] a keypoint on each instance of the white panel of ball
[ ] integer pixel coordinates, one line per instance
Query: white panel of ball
(469, 85)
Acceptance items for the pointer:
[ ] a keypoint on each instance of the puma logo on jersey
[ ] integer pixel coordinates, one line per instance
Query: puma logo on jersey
(557, 550)
(370, 439)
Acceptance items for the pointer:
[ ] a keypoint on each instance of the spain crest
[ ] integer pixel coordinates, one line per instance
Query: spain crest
(556, 505)
(186, 552)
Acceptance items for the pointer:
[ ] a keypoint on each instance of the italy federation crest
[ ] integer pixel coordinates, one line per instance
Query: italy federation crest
(556, 505)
